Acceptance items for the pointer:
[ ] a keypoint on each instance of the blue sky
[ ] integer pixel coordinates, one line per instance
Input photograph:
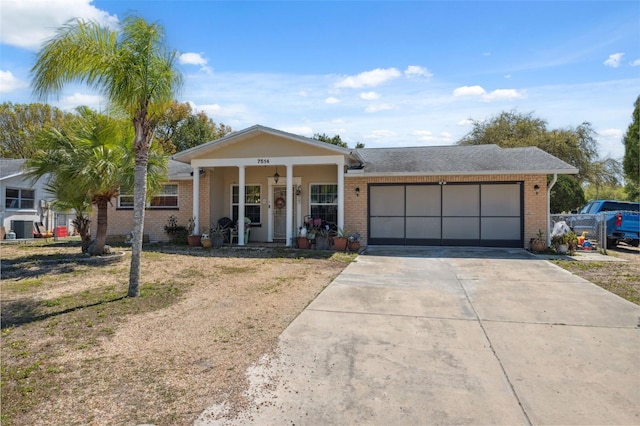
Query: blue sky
(381, 73)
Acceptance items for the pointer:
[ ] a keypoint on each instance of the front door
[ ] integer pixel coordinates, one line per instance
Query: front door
(277, 223)
(279, 211)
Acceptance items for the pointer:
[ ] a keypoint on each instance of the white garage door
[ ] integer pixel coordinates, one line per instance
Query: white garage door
(478, 214)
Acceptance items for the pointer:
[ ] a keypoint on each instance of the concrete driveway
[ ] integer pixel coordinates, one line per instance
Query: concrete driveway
(416, 336)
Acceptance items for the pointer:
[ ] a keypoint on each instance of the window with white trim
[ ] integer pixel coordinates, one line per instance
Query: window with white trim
(167, 198)
(323, 202)
(20, 198)
(252, 197)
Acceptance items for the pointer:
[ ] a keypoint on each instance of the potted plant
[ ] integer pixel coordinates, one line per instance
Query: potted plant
(177, 233)
(193, 240)
(340, 241)
(303, 241)
(217, 236)
(563, 243)
(538, 244)
(322, 239)
(353, 242)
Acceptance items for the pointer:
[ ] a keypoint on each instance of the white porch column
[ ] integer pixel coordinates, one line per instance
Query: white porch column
(340, 167)
(289, 205)
(241, 200)
(196, 200)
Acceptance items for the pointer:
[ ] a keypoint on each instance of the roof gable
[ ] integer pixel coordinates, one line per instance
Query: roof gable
(257, 141)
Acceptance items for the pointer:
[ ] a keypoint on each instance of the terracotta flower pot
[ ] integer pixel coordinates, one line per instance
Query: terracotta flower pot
(340, 243)
(303, 242)
(354, 245)
(194, 240)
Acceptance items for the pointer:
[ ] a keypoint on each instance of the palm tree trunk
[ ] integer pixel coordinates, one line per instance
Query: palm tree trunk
(97, 248)
(141, 147)
(81, 223)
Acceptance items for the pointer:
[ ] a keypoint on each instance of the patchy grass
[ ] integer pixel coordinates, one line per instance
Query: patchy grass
(75, 350)
(621, 278)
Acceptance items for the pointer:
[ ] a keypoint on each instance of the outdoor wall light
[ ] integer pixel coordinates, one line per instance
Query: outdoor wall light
(357, 192)
(536, 188)
(298, 190)
(276, 176)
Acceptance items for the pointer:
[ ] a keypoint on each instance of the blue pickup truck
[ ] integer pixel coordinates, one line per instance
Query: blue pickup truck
(622, 220)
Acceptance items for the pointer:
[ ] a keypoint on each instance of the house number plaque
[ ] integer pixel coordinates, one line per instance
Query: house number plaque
(263, 161)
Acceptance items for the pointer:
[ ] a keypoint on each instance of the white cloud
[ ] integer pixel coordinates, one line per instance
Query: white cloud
(417, 71)
(423, 135)
(614, 60)
(498, 94)
(615, 134)
(504, 94)
(369, 78)
(27, 23)
(469, 91)
(465, 122)
(95, 102)
(331, 100)
(216, 110)
(380, 134)
(195, 59)
(9, 83)
(508, 76)
(301, 130)
(303, 93)
(446, 136)
(635, 63)
(379, 107)
(369, 96)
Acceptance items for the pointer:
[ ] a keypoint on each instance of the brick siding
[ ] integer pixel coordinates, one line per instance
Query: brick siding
(120, 221)
(535, 205)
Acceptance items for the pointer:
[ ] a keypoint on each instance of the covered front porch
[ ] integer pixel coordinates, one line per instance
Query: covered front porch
(274, 179)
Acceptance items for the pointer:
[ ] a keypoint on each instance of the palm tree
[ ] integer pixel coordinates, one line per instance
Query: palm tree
(89, 164)
(137, 75)
(68, 199)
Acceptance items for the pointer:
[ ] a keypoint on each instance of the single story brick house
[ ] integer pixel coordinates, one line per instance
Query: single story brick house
(446, 195)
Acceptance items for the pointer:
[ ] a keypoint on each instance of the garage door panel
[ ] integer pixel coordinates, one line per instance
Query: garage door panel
(500, 228)
(501, 200)
(386, 200)
(423, 200)
(474, 214)
(461, 200)
(423, 227)
(460, 228)
(387, 227)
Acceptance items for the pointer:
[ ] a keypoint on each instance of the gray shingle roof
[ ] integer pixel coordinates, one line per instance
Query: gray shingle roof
(10, 167)
(177, 170)
(459, 159)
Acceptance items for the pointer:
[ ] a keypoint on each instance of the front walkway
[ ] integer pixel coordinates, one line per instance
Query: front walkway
(452, 336)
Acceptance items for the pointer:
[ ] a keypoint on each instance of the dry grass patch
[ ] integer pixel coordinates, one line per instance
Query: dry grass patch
(621, 278)
(75, 351)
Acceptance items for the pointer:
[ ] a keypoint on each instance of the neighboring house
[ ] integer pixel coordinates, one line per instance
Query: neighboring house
(22, 202)
(446, 195)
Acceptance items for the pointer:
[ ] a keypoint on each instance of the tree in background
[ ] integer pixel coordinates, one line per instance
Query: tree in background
(135, 72)
(335, 140)
(20, 123)
(631, 160)
(576, 146)
(179, 128)
(566, 195)
(88, 165)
